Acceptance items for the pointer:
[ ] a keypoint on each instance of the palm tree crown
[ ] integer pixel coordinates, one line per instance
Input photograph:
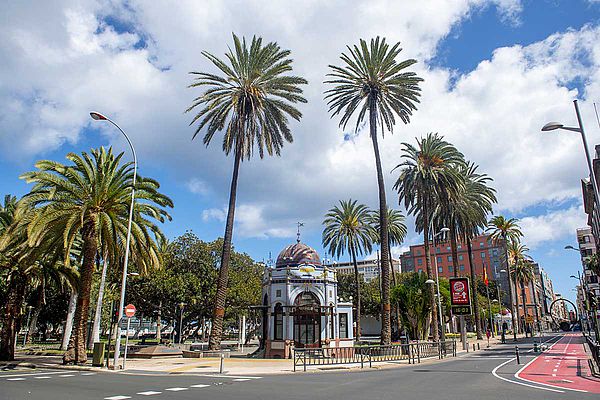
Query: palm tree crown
(251, 100)
(347, 228)
(499, 228)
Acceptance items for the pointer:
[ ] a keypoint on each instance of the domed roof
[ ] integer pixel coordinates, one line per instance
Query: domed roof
(298, 254)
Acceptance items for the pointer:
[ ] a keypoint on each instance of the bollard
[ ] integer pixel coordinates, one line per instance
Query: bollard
(478, 348)
(517, 354)
(473, 346)
(221, 364)
(535, 347)
(362, 360)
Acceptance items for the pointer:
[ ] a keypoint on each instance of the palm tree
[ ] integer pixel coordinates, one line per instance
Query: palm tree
(89, 199)
(414, 299)
(472, 206)
(347, 229)
(372, 81)
(502, 230)
(521, 270)
(429, 173)
(396, 234)
(251, 103)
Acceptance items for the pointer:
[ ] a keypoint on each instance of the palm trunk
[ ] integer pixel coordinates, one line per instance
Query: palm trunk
(386, 326)
(510, 292)
(524, 298)
(453, 247)
(358, 294)
(11, 318)
(434, 316)
(219, 311)
(39, 303)
(535, 307)
(474, 291)
(95, 336)
(517, 304)
(76, 351)
(69, 322)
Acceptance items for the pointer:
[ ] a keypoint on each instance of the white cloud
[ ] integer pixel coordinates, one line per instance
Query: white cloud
(555, 225)
(214, 214)
(197, 186)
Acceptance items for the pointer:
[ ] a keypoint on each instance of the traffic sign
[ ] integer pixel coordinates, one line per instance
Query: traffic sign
(129, 310)
(459, 292)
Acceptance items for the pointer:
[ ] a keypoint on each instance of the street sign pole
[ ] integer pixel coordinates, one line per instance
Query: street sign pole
(126, 341)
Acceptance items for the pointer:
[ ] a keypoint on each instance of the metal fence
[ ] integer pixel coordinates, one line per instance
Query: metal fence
(595, 350)
(412, 352)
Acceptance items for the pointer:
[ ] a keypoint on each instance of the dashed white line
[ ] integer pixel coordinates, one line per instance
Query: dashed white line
(32, 374)
(148, 393)
(176, 389)
(241, 379)
(66, 375)
(42, 377)
(15, 379)
(88, 374)
(201, 385)
(117, 398)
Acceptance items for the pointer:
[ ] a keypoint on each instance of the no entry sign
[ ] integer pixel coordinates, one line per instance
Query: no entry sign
(129, 310)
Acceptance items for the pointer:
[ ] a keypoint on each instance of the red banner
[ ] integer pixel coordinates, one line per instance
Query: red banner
(459, 292)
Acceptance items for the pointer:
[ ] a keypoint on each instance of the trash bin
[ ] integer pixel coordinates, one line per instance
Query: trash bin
(98, 354)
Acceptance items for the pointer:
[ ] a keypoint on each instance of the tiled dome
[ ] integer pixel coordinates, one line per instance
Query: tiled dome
(298, 254)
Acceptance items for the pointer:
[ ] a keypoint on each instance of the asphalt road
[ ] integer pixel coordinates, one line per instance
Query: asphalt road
(485, 374)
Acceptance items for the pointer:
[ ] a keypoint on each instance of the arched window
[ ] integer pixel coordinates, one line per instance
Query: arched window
(278, 322)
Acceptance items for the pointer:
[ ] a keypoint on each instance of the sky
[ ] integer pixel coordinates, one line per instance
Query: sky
(495, 71)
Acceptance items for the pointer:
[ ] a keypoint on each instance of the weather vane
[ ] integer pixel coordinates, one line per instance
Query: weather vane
(298, 232)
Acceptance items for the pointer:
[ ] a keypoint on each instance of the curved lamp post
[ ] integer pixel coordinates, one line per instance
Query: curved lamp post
(99, 117)
(437, 283)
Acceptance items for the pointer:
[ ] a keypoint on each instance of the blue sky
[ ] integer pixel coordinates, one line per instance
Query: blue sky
(495, 71)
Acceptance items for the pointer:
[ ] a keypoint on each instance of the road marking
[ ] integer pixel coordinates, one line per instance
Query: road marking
(241, 379)
(176, 389)
(117, 398)
(228, 376)
(517, 382)
(66, 375)
(200, 386)
(88, 374)
(148, 393)
(42, 377)
(15, 379)
(32, 374)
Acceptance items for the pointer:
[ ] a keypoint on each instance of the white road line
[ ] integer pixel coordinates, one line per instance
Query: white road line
(241, 379)
(148, 393)
(517, 382)
(32, 374)
(42, 377)
(176, 389)
(228, 376)
(15, 379)
(66, 375)
(117, 398)
(88, 374)
(201, 385)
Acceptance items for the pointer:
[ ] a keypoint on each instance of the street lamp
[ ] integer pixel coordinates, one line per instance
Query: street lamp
(99, 117)
(551, 126)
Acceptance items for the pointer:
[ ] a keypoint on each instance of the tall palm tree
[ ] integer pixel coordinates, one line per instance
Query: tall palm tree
(347, 229)
(372, 80)
(472, 206)
(396, 234)
(522, 273)
(429, 172)
(89, 199)
(250, 102)
(503, 230)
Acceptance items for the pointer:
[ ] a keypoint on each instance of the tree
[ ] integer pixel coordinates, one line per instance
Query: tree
(396, 234)
(415, 301)
(522, 270)
(90, 198)
(429, 172)
(347, 229)
(502, 230)
(251, 103)
(372, 81)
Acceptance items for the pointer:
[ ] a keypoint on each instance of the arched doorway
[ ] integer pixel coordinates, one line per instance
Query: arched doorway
(307, 320)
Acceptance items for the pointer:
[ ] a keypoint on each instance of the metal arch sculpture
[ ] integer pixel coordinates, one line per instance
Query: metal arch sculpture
(568, 301)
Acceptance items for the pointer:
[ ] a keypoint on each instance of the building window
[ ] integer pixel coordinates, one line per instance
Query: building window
(483, 254)
(278, 317)
(418, 252)
(448, 248)
(459, 247)
(439, 259)
(440, 270)
(462, 267)
(278, 293)
(449, 258)
(437, 249)
(343, 326)
(460, 257)
(420, 261)
(420, 270)
(450, 268)
(481, 244)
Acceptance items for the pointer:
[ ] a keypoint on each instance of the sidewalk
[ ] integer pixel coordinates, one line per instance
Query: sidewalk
(232, 366)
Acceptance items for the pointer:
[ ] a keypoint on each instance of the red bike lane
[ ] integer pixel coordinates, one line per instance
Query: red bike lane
(564, 365)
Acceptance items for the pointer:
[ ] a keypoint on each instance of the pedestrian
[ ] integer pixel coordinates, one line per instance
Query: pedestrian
(504, 328)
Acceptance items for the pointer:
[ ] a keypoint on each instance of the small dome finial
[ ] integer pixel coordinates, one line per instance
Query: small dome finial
(300, 224)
